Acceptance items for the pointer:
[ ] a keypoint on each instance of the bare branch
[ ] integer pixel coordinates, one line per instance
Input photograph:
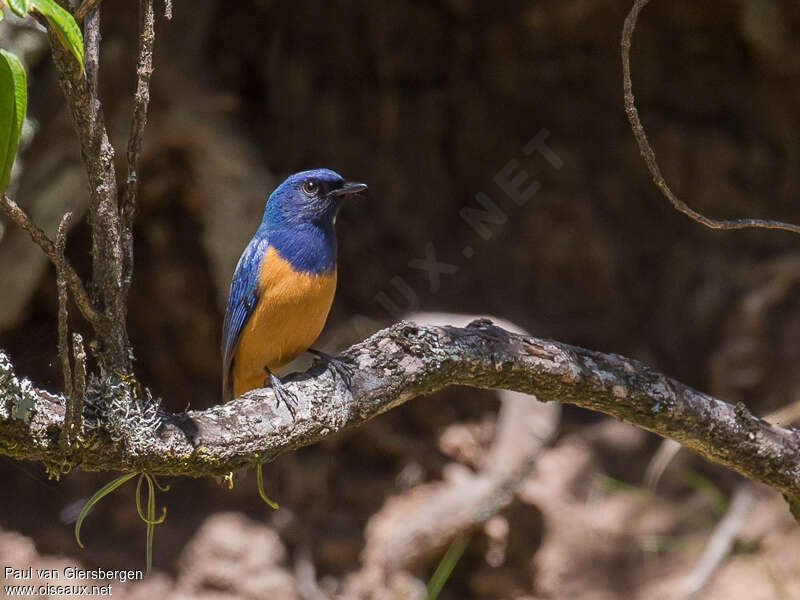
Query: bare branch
(394, 366)
(78, 382)
(13, 212)
(144, 69)
(63, 324)
(98, 157)
(649, 155)
(63, 313)
(92, 61)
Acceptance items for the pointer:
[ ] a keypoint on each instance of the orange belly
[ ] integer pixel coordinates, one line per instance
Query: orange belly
(290, 314)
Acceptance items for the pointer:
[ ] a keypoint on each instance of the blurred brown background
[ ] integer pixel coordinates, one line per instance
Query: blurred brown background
(426, 102)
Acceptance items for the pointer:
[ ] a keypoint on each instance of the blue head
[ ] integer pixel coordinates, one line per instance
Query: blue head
(300, 214)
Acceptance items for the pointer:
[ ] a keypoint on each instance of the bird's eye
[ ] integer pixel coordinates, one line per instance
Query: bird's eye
(310, 187)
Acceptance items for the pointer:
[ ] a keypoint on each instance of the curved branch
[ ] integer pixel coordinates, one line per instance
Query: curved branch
(650, 156)
(394, 366)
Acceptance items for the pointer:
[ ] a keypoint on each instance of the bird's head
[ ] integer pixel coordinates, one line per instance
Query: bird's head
(309, 197)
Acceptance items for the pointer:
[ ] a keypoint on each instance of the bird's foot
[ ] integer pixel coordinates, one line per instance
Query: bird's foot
(281, 393)
(338, 366)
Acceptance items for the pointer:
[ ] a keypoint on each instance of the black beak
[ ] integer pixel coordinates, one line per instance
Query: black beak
(351, 187)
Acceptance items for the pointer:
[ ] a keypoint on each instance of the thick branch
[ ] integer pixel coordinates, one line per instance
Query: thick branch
(650, 156)
(401, 363)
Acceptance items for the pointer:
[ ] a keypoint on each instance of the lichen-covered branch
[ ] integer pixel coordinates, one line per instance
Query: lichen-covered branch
(394, 366)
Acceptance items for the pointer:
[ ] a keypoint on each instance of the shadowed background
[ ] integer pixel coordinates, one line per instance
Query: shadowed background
(427, 102)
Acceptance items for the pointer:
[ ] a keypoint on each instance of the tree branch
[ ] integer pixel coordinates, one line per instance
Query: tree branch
(98, 157)
(13, 212)
(650, 156)
(394, 366)
(63, 326)
(85, 8)
(141, 100)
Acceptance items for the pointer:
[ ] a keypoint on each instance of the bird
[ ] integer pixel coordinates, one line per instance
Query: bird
(284, 284)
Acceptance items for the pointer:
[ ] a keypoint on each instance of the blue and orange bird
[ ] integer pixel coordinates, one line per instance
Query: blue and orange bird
(284, 285)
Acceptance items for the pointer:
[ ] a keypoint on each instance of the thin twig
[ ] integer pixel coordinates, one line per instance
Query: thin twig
(78, 382)
(721, 541)
(650, 157)
(141, 100)
(63, 325)
(667, 451)
(13, 212)
(92, 38)
(85, 8)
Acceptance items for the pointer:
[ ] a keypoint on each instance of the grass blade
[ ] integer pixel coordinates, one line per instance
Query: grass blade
(98, 495)
(446, 566)
(163, 488)
(151, 527)
(150, 480)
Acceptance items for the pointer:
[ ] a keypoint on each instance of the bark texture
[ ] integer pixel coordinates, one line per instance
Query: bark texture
(394, 366)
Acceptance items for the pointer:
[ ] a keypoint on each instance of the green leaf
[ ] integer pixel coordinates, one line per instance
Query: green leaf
(13, 102)
(446, 566)
(63, 23)
(99, 495)
(21, 8)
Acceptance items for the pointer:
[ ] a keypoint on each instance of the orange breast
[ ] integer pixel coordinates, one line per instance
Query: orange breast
(290, 314)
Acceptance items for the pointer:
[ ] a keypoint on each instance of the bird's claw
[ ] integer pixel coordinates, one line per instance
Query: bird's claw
(281, 393)
(339, 367)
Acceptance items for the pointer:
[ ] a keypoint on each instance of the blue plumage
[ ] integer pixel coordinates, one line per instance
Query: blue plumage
(298, 225)
(242, 300)
(309, 248)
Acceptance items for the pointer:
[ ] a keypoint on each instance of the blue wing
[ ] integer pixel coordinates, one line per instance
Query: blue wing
(242, 300)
